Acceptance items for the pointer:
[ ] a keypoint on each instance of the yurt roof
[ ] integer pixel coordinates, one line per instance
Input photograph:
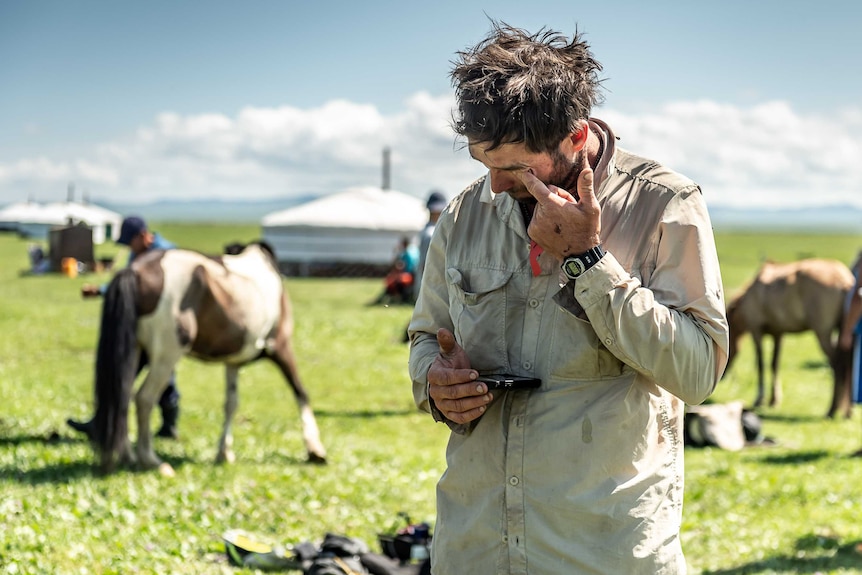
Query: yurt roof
(355, 208)
(21, 210)
(90, 213)
(57, 213)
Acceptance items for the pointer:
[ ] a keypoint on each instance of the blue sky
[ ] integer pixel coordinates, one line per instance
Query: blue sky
(758, 101)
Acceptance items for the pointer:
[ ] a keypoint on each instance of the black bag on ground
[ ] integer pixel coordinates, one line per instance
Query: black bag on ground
(339, 555)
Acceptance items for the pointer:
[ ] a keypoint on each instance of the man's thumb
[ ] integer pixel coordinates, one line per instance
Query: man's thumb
(446, 341)
(585, 185)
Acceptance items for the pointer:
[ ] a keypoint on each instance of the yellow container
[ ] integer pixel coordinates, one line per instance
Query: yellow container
(69, 267)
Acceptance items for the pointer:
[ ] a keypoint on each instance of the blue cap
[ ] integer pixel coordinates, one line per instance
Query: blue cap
(436, 202)
(132, 227)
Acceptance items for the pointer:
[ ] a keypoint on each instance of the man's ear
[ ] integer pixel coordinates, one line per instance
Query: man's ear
(576, 140)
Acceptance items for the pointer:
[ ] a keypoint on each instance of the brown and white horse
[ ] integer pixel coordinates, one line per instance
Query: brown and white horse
(232, 309)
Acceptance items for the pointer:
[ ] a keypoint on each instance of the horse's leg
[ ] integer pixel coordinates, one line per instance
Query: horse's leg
(231, 401)
(147, 396)
(839, 362)
(757, 338)
(126, 454)
(776, 383)
(283, 356)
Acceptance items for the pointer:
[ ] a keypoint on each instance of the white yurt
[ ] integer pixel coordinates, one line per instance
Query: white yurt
(13, 214)
(33, 220)
(105, 223)
(354, 232)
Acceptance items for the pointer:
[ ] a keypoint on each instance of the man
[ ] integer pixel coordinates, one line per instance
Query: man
(398, 283)
(435, 204)
(594, 270)
(849, 339)
(135, 234)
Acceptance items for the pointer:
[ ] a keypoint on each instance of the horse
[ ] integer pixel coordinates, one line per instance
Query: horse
(231, 309)
(794, 297)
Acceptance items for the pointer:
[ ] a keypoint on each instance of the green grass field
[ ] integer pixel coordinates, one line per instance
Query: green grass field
(791, 508)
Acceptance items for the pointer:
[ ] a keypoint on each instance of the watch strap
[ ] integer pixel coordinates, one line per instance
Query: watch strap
(592, 256)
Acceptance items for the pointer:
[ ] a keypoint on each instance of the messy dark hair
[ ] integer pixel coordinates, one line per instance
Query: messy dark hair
(514, 87)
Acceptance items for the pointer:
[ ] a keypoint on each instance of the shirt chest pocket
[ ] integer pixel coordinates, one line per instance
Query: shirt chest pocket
(477, 307)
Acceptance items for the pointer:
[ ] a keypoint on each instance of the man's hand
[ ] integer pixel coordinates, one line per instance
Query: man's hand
(562, 224)
(90, 290)
(451, 382)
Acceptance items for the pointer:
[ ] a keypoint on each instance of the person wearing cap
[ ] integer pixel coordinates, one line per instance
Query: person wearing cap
(135, 234)
(850, 336)
(436, 204)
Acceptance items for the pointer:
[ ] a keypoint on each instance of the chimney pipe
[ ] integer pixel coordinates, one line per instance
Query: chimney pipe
(386, 169)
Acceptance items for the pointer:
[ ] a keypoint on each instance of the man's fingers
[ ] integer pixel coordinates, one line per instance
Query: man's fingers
(450, 377)
(461, 409)
(460, 390)
(560, 192)
(464, 416)
(534, 185)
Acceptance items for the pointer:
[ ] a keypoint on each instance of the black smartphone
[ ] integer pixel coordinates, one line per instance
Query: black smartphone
(506, 381)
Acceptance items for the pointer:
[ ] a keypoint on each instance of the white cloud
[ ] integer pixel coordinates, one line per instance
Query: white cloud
(759, 156)
(767, 155)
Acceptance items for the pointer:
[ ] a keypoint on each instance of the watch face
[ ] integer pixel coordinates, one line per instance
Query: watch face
(574, 267)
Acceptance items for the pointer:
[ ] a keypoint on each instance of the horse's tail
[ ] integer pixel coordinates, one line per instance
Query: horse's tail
(116, 367)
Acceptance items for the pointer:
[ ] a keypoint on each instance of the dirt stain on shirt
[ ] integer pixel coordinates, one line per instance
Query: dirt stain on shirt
(587, 430)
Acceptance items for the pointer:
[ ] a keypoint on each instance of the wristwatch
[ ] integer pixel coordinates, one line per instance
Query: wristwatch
(575, 265)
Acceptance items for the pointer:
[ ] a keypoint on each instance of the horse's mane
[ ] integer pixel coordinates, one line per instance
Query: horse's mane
(236, 248)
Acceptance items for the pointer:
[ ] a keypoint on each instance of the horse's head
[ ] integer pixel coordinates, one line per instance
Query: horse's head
(234, 249)
(237, 248)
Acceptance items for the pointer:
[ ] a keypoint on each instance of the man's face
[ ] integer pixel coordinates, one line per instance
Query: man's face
(504, 163)
(139, 243)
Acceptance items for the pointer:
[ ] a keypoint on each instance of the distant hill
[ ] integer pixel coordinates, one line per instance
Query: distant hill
(837, 218)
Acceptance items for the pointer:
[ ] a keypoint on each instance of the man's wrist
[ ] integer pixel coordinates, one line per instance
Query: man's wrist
(575, 265)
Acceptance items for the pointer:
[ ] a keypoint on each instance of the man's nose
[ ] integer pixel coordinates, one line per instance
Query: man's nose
(501, 181)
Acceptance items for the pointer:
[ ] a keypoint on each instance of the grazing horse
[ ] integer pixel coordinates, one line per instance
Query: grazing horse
(231, 309)
(791, 298)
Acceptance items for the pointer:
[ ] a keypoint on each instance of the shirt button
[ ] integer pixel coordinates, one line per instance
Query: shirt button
(514, 480)
(505, 538)
(528, 365)
(609, 341)
(534, 303)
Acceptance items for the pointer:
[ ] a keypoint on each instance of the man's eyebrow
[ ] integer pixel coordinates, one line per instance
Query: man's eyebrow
(512, 168)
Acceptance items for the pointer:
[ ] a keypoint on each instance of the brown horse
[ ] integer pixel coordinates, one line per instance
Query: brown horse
(791, 298)
(232, 310)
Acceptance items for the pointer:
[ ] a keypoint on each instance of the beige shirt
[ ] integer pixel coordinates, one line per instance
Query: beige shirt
(585, 474)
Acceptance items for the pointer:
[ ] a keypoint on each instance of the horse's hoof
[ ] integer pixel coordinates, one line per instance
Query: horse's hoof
(225, 458)
(127, 460)
(165, 470)
(149, 463)
(316, 459)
